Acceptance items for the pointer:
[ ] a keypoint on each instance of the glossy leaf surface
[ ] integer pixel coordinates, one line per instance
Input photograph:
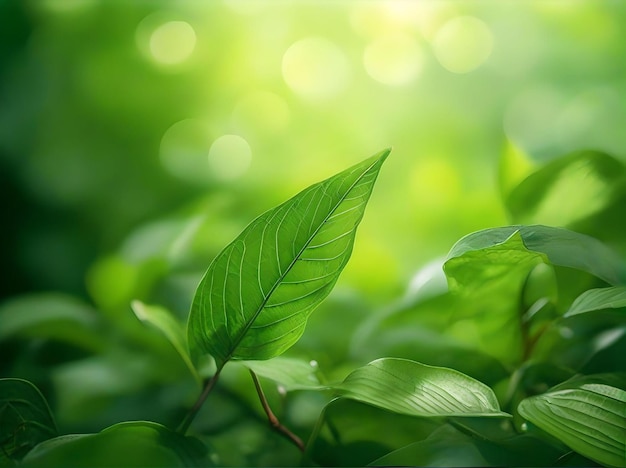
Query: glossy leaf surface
(25, 419)
(131, 444)
(255, 298)
(588, 415)
(599, 299)
(408, 387)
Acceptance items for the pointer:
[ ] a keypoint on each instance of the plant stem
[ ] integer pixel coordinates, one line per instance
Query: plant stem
(272, 419)
(208, 386)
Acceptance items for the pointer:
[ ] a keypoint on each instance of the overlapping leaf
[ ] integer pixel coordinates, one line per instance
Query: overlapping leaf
(291, 373)
(255, 298)
(409, 387)
(598, 299)
(25, 419)
(588, 415)
(164, 321)
(131, 444)
(562, 247)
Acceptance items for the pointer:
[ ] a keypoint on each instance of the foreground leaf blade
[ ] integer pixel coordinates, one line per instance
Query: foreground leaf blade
(408, 387)
(131, 444)
(598, 299)
(254, 300)
(25, 419)
(588, 416)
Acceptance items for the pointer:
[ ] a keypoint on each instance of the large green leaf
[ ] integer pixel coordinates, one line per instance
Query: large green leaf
(408, 387)
(599, 299)
(164, 321)
(562, 247)
(254, 300)
(131, 444)
(588, 415)
(25, 419)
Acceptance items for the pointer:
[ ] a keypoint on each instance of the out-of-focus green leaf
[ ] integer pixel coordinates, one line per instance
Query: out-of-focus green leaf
(561, 246)
(53, 316)
(163, 320)
(514, 166)
(488, 279)
(599, 299)
(132, 444)
(415, 389)
(586, 414)
(25, 419)
(568, 189)
(447, 446)
(357, 433)
(256, 296)
(291, 373)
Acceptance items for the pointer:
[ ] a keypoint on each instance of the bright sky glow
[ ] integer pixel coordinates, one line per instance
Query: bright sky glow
(393, 59)
(261, 111)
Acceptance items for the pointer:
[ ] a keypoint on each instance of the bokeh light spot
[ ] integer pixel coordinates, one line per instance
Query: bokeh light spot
(229, 157)
(173, 42)
(315, 68)
(183, 150)
(393, 59)
(463, 44)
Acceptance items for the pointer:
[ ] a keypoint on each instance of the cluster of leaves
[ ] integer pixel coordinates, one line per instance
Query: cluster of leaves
(514, 357)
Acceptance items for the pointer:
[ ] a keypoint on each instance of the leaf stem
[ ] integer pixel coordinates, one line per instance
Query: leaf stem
(208, 386)
(271, 417)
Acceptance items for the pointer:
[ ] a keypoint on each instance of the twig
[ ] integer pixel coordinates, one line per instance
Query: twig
(272, 419)
(208, 386)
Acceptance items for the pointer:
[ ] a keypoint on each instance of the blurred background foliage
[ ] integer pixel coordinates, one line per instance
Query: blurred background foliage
(138, 138)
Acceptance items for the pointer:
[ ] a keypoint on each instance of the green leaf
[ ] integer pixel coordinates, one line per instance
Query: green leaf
(562, 247)
(131, 444)
(598, 299)
(573, 191)
(514, 166)
(254, 300)
(487, 274)
(164, 321)
(54, 316)
(447, 446)
(25, 419)
(408, 387)
(291, 373)
(587, 414)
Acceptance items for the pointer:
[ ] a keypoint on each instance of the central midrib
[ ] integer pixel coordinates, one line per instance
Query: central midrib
(245, 329)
